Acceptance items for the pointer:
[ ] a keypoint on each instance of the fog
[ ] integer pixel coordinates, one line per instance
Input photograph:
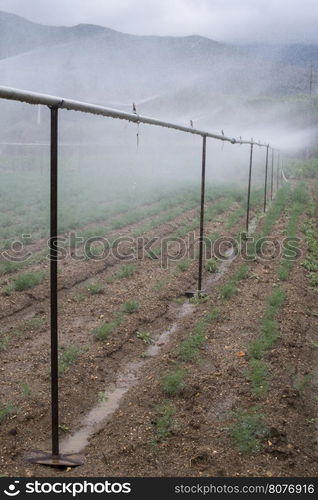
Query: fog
(253, 92)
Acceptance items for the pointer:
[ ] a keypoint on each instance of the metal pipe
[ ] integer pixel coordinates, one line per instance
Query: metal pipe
(272, 174)
(53, 281)
(277, 171)
(249, 189)
(72, 105)
(266, 174)
(202, 214)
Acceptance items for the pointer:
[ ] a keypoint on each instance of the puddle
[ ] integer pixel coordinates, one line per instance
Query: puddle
(95, 419)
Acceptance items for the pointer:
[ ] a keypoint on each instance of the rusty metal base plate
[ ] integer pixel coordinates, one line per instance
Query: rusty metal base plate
(44, 458)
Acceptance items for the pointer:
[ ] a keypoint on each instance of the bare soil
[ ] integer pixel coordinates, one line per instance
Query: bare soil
(126, 443)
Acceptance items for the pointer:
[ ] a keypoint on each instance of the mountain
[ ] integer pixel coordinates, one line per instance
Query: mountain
(18, 35)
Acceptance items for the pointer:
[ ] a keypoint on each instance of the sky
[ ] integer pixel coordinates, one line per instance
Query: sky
(240, 21)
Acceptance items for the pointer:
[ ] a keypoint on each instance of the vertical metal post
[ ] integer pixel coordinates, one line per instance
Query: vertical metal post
(266, 171)
(202, 214)
(272, 175)
(53, 283)
(249, 188)
(54, 459)
(277, 171)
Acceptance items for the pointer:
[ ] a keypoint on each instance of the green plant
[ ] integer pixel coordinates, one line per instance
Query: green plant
(301, 384)
(4, 341)
(103, 331)
(35, 323)
(145, 337)
(234, 217)
(248, 430)
(96, 289)
(8, 267)
(269, 329)
(211, 265)
(188, 349)
(102, 397)
(213, 315)
(310, 264)
(131, 306)
(183, 265)
(172, 382)
(228, 290)
(269, 333)
(241, 273)
(28, 280)
(160, 284)
(26, 390)
(6, 411)
(68, 357)
(199, 298)
(64, 428)
(313, 279)
(164, 420)
(125, 271)
(258, 375)
(79, 297)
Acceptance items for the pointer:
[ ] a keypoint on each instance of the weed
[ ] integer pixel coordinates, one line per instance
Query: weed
(275, 301)
(28, 280)
(68, 357)
(313, 279)
(172, 382)
(104, 330)
(79, 297)
(64, 428)
(258, 374)
(96, 289)
(8, 267)
(164, 420)
(234, 217)
(160, 284)
(145, 337)
(35, 323)
(130, 307)
(189, 348)
(102, 397)
(283, 270)
(242, 273)
(301, 385)
(269, 330)
(6, 411)
(125, 271)
(199, 299)
(213, 315)
(211, 265)
(310, 264)
(183, 265)
(268, 335)
(228, 290)
(4, 341)
(26, 390)
(248, 431)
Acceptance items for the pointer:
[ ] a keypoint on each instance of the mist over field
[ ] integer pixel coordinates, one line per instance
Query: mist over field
(252, 90)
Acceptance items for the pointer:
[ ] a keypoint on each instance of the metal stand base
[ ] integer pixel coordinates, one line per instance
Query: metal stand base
(45, 458)
(191, 294)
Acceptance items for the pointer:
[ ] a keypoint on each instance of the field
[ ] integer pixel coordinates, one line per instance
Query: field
(153, 383)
